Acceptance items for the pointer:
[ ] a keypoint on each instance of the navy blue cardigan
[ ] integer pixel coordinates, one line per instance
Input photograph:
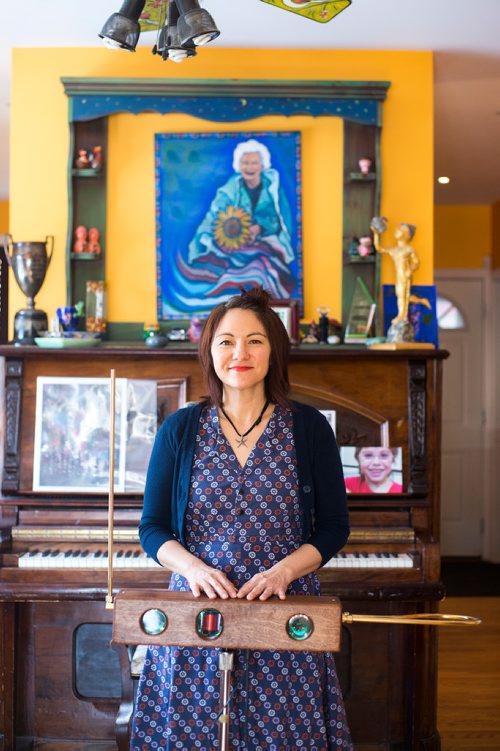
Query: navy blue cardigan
(321, 481)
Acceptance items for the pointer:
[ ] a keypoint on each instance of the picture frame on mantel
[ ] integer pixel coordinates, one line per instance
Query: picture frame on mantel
(289, 313)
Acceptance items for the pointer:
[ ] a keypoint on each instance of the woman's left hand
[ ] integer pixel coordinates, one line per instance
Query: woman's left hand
(264, 585)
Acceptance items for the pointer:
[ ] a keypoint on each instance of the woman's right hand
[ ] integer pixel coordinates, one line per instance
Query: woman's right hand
(205, 579)
(200, 577)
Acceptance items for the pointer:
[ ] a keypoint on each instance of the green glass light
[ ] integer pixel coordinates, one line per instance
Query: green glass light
(209, 623)
(154, 622)
(299, 627)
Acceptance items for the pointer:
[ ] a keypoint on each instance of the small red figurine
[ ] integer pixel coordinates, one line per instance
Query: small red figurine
(80, 244)
(82, 160)
(94, 245)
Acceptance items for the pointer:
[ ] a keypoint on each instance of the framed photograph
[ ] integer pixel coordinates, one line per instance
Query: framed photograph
(372, 469)
(331, 416)
(228, 214)
(71, 451)
(141, 426)
(288, 311)
(148, 403)
(171, 396)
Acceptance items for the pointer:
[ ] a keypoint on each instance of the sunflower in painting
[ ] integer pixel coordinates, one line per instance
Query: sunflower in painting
(232, 228)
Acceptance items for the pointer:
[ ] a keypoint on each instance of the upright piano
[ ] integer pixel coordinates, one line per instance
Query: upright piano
(62, 688)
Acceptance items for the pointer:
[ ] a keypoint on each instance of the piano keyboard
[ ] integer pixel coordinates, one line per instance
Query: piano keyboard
(370, 560)
(66, 557)
(89, 559)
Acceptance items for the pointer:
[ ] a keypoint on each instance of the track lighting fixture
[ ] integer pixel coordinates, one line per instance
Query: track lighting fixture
(196, 25)
(169, 44)
(187, 26)
(122, 30)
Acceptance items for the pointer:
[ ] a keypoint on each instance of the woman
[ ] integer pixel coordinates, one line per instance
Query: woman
(244, 498)
(244, 237)
(375, 471)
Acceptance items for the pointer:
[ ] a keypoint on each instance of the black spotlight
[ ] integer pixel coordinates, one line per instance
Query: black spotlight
(169, 45)
(196, 25)
(121, 30)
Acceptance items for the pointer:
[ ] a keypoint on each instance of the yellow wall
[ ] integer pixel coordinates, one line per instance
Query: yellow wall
(4, 217)
(131, 183)
(462, 236)
(495, 235)
(40, 142)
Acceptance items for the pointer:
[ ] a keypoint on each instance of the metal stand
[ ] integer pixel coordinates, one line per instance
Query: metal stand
(225, 666)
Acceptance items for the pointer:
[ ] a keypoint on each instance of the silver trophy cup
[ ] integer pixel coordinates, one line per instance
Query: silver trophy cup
(29, 261)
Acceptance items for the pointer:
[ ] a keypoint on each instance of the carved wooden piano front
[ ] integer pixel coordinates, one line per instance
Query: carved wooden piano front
(61, 684)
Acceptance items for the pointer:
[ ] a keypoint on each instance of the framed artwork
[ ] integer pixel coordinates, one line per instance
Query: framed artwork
(288, 311)
(149, 403)
(331, 416)
(421, 311)
(141, 424)
(71, 451)
(372, 469)
(171, 396)
(228, 214)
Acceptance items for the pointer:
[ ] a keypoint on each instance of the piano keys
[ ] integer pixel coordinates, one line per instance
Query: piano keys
(68, 557)
(370, 561)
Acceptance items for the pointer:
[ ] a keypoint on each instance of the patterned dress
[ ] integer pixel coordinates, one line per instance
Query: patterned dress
(242, 520)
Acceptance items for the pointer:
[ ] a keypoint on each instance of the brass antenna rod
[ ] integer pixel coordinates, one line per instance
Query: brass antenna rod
(111, 496)
(416, 619)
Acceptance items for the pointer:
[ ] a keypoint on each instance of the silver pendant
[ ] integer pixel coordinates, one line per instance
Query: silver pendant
(242, 442)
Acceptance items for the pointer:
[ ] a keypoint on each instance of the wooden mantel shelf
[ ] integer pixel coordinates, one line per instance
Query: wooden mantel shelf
(185, 350)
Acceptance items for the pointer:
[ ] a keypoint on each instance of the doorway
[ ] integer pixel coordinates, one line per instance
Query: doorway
(461, 318)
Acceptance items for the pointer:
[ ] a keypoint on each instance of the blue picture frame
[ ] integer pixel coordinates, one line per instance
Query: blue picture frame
(421, 311)
(213, 235)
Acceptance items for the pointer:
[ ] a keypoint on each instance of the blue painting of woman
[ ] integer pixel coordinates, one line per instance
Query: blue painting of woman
(244, 234)
(245, 238)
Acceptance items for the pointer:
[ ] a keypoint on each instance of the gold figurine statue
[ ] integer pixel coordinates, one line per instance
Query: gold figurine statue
(401, 333)
(406, 262)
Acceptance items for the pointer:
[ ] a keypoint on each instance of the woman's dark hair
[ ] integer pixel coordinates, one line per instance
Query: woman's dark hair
(258, 301)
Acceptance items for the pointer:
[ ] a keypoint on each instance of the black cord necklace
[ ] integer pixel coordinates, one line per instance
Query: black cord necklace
(242, 436)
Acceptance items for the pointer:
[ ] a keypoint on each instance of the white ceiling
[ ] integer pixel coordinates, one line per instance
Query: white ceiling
(464, 34)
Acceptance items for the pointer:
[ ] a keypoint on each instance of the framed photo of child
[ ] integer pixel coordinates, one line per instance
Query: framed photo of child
(372, 469)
